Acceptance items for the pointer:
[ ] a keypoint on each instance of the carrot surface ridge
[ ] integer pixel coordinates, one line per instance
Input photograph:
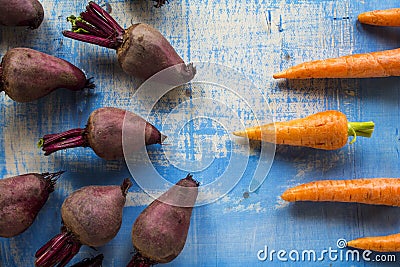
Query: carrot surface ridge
(375, 191)
(375, 64)
(389, 243)
(386, 17)
(326, 130)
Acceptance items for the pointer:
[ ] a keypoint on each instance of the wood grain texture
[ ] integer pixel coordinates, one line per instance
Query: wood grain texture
(257, 38)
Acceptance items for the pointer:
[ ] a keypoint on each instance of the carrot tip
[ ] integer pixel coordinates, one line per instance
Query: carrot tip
(279, 75)
(240, 133)
(285, 197)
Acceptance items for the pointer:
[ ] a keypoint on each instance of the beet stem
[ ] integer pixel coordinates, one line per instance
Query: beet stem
(47, 245)
(51, 138)
(78, 141)
(73, 138)
(59, 250)
(99, 24)
(107, 17)
(90, 29)
(100, 28)
(91, 39)
(73, 249)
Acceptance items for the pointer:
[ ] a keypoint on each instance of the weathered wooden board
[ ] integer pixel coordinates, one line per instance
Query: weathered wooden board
(256, 38)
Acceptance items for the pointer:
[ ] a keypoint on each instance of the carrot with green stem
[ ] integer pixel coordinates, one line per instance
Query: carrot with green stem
(389, 243)
(368, 65)
(385, 17)
(328, 130)
(374, 191)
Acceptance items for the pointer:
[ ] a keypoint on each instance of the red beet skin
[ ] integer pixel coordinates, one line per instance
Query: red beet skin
(27, 75)
(21, 13)
(141, 49)
(91, 216)
(159, 233)
(103, 134)
(21, 199)
(143, 45)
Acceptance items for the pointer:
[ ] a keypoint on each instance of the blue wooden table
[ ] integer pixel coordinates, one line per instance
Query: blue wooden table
(256, 39)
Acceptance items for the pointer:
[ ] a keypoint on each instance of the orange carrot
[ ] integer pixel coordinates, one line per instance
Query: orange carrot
(386, 17)
(376, 64)
(389, 243)
(375, 191)
(326, 130)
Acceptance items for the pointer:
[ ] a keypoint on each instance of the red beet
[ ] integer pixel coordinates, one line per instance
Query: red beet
(159, 233)
(21, 13)
(27, 74)
(21, 199)
(103, 134)
(142, 50)
(91, 216)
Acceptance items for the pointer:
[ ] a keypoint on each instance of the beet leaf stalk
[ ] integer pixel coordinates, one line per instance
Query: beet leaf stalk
(51, 143)
(59, 250)
(142, 50)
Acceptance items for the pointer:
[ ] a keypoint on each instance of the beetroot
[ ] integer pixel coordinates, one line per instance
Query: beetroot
(142, 50)
(91, 216)
(159, 233)
(21, 199)
(21, 13)
(27, 74)
(103, 134)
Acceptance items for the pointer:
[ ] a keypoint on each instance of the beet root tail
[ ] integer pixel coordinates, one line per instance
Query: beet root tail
(140, 261)
(160, 3)
(91, 262)
(51, 179)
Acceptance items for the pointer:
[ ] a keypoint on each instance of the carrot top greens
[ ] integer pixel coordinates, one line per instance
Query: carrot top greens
(364, 129)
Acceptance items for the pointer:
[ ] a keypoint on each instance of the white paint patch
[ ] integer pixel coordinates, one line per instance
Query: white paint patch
(281, 204)
(253, 207)
(232, 204)
(136, 199)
